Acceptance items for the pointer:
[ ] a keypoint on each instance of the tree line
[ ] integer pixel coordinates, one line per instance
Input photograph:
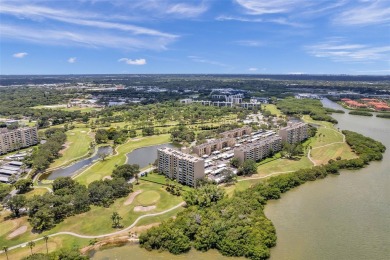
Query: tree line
(312, 107)
(47, 152)
(71, 198)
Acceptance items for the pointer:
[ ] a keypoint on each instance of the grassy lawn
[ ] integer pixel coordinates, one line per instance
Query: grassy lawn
(240, 186)
(273, 109)
(77, 143)
(96, 221)
(324, 154)
(103, 168)
(148, 198)
(81, 109)
(53, 244)
(283, 165)
(326, 144)
(35, 191)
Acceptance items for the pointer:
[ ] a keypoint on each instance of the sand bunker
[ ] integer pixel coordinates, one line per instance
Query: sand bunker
(18, 232)
(142, 208)
(82, 131)
(131, 198)
(108, 177)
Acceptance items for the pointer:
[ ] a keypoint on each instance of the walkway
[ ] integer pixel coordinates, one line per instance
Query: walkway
(104, 235)
(263, 177)
(309, 151)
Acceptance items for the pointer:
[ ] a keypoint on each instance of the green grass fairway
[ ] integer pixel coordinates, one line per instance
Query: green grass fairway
(327, 144)
(81, 109)
(148, 198)
(97, 220)
(103, 168)
(77, 143)
(324, 154)
(283, 165)
(273, 109)
(36, 191)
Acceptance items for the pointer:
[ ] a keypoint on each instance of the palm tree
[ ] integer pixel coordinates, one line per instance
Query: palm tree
(31, 244)
(5, 248)
(136, 178)
(46, 238)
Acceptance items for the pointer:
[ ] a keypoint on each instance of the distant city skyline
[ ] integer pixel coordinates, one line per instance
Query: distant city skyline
(195, 36)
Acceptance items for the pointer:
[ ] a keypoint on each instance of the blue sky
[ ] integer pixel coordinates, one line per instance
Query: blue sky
(195, 36)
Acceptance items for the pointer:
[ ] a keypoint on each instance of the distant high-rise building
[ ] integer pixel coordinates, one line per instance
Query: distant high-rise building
(11, 140)
(184, 168)
(294, 132)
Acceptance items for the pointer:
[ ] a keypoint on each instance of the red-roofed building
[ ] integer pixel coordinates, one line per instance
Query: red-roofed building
(352, 103)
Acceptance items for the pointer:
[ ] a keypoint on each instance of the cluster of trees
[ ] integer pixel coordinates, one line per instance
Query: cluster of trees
(182, 134)
(312, 107)
(237, 226)
(4, 190)
(118, 136)
(173, 187)
(23, 185)
(248, 167)
(47, 152)
(360, 113)
(72, 253)
(331, 110)
(126, 171)
(291, 150)
(383, 115)
(367, 148)
(68, 198)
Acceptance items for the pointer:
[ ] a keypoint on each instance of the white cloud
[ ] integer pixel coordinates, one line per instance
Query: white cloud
(71, 29)
(238, 18)
(337, 50)
(20, 55)
(253, 69)
(133, 62)
(187, 10)
(367, 13)
(83, 38)
(72, 60)
(259, 7)
(250, 43)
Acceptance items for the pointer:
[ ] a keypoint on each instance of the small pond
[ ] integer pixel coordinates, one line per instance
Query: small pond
(145, 155)
(78, 166)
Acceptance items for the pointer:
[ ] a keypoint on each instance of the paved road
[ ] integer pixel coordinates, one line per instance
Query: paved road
(104, 235)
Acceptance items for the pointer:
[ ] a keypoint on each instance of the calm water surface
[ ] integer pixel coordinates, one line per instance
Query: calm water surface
(340, 217)
(76, 167)
(145, 155)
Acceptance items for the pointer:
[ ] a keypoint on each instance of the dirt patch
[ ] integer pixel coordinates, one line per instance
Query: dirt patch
(17, 232)
(82, 131)
(131, 198)
(108, 177)
(65, 147)
(119, 240)
(143, 209)
(140, 229)
(137, 139)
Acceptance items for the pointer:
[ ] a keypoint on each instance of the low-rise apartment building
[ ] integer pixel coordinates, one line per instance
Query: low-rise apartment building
(259, 149)
(184, 168)
(246, 130)
(215, 145)
(294, 132)
(11, 140)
